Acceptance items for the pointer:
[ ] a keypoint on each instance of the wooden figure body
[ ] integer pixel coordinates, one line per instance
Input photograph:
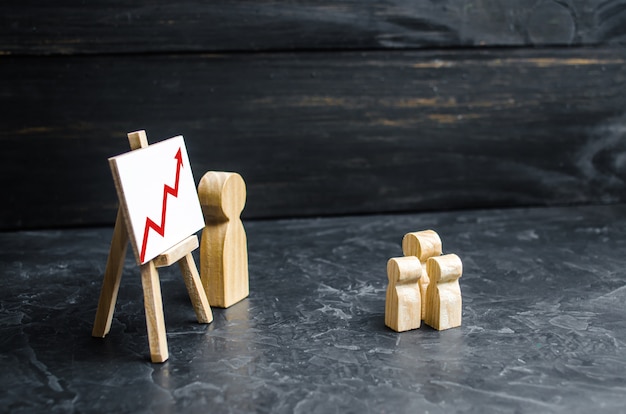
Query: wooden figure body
(423, 245)
(223, 248)
(403, 299)
(444, 293)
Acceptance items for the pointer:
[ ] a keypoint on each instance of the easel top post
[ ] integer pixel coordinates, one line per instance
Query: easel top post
(138, 139)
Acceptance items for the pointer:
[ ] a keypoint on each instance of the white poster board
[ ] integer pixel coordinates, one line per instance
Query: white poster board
(158, 195)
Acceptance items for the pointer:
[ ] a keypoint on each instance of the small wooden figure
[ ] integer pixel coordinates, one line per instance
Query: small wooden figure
(444, 293)
(403, 302)
(223, 248)
(423, 245)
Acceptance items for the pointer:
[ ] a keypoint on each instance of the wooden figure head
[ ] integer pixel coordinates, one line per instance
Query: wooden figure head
(422, 244)
(446, 268)
(403, 270)
(222, 195)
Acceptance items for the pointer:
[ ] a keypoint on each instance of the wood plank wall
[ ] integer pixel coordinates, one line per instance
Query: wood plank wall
(324, 107)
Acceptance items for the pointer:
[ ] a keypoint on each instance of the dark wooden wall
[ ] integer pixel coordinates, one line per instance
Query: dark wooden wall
(324, 107)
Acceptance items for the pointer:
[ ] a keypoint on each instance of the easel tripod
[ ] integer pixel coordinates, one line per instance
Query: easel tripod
(153, 304)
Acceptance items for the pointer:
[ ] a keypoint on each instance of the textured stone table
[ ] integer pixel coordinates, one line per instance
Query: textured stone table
(544, 322)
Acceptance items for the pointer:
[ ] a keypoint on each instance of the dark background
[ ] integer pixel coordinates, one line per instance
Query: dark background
(325, 108)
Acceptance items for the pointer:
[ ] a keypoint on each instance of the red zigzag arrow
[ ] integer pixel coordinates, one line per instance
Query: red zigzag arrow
(160, 229)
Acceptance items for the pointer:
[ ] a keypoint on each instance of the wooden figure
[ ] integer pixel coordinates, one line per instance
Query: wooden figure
(143, 221)
(223, 248)
(444, 293)
(403, 302)
(423, 245)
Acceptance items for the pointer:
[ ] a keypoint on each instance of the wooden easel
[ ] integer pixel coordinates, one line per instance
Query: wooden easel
(153, 303)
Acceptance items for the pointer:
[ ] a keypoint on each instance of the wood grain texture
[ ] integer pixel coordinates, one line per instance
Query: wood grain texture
(153, 305)
(196, 291)
(177, 252)
(224, 245)
(68, 27)
(320, 134)
(423, 245)
(115, 260)
(443, 299)
(111, 280)
(403, 304)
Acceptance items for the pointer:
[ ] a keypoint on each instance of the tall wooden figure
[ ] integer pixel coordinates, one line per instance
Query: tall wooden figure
(423, 245)
(403, 302)
(223, 248)
(444, 293)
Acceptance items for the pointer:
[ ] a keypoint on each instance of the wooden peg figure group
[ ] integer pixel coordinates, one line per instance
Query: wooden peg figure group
(423, 285)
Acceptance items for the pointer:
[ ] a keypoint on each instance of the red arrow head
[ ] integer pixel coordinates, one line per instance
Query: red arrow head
(179, 157)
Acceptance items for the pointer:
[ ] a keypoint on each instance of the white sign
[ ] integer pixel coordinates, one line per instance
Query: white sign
(158, 195)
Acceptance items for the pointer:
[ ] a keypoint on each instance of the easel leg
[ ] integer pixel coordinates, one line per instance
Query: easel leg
(154, 312)
(112, 277)
(196, 291)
